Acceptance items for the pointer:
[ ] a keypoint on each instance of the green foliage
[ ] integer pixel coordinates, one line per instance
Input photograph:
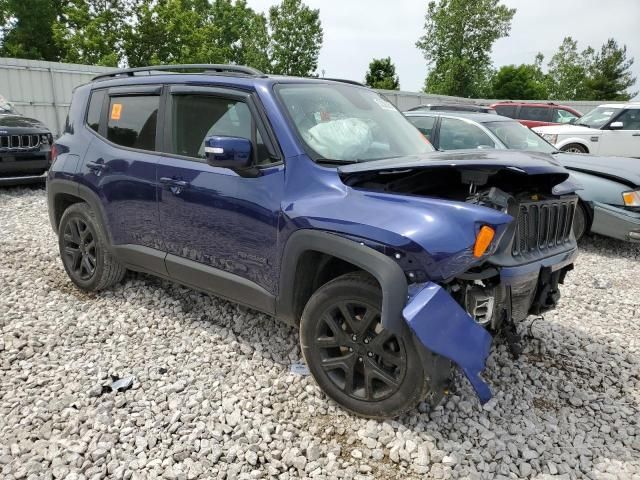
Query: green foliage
(27, 29)
(519, 83)
(610, 76)
(296, 38)
(382, 74)
(568, 70)
(457, 43)
(91, 31)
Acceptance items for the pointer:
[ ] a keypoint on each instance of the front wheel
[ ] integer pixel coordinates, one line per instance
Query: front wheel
(579, 221)
(362, 366)
(574, 148)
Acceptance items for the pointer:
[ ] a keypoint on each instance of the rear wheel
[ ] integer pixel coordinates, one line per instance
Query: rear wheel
(358, 363)
(574, 148)
(83, 249)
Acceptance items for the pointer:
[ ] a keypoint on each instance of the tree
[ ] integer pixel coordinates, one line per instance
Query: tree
(568, 70)
(610, 74)
(27, 29)
(457, 43)
(523, 82)
(382, 74)
(296, 38)
(91, 31)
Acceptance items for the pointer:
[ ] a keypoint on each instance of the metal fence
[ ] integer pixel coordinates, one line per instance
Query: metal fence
(43, 90)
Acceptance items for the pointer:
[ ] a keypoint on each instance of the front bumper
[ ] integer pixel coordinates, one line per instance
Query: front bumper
(616, 222)
(23, 180)
(443, 327)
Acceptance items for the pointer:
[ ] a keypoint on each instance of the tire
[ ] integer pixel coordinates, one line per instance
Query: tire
(580, 220)
(83, 249)
(574, 148)
(344, 344)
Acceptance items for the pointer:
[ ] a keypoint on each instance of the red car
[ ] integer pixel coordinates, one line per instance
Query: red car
(537, 114)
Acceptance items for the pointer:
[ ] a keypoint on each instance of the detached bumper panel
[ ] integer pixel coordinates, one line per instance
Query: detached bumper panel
(616, 222)
(443, 327)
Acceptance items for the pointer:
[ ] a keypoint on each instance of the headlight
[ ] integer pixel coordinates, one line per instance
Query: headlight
(550, 137)
(631, 199)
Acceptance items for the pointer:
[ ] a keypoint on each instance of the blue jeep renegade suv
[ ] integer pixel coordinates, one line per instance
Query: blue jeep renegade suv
(318, 203)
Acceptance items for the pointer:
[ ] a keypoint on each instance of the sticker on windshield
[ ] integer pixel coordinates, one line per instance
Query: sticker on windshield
(116, 111)
(384, 104)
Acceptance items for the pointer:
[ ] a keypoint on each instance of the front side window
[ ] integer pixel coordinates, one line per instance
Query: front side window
(516, 136)
(563, 116)
(196, 117)
(630, 119)
(424, 124)
(537, 114)
(343, 123)
(598, 117)
(132, 121)
(458, 134)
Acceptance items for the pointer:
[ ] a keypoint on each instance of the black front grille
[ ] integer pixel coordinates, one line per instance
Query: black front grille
(19, 142)
(544, 225)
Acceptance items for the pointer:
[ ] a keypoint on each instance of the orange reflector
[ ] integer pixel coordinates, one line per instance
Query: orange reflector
(483, 240)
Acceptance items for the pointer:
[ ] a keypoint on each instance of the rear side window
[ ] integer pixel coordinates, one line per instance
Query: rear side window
(506, 110)
(538, 114)
(94, 113)
(457, 134)
(132, 121)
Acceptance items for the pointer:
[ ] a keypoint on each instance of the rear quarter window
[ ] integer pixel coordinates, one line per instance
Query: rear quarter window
(94, 112)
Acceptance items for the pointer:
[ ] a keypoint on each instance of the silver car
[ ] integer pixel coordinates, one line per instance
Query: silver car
(610, 196)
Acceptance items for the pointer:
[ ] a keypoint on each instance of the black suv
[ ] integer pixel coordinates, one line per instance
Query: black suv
(24, 147)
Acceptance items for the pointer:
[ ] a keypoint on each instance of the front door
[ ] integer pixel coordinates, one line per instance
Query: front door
(216, 221)
(624, 142)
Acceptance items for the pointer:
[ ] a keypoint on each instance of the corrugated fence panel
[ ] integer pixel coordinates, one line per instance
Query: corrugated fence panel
(43, 90)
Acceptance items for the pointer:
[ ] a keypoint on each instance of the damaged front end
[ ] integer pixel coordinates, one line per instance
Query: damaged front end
(464, 297)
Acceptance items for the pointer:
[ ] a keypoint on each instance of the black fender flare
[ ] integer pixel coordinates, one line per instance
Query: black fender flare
(389, 274)
(58, 186)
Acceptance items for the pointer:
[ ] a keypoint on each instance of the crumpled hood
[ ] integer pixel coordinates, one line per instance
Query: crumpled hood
(567, 130)
(626, 170)
(10, 122)
(527, 162)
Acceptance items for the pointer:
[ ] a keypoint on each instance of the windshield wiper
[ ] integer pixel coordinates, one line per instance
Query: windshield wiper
(336, 161)
(583, 125)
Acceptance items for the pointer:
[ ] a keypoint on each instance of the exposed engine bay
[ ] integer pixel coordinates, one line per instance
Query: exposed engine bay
(542, 227)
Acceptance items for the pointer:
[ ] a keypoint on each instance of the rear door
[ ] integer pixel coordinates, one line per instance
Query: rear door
(535, 116)
(121, 161)
(216, 221)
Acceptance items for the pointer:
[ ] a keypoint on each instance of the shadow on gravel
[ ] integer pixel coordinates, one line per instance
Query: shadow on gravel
(609, 247)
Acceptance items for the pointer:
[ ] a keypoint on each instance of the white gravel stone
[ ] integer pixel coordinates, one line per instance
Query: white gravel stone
(213, 395)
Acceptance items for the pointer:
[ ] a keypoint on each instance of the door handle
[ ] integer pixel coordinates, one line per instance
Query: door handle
(174, 182)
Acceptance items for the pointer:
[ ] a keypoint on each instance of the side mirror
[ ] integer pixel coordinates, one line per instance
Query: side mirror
(616, 126)
(228, 152)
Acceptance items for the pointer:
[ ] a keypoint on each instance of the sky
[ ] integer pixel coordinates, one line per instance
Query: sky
(355, 31)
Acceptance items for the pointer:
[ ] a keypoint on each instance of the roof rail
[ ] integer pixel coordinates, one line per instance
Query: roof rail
(344, 80)
(205, 67)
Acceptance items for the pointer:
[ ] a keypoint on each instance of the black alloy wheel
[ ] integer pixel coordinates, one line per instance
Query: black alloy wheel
(80, 249)
(362, 359)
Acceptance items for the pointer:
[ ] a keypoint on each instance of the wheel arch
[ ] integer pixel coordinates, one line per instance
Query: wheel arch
(64, 193)
(311, 258)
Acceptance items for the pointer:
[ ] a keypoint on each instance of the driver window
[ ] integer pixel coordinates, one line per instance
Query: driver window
(196, 117)
(630, 119)
(457, 134)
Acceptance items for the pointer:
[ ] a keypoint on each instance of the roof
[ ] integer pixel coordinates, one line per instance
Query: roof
(473, 116)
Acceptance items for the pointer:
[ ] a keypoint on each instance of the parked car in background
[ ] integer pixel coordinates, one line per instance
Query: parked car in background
(537, 114)
(453, 107)
(610, 195)
(318, 203)
(612, 129)
(24, 147)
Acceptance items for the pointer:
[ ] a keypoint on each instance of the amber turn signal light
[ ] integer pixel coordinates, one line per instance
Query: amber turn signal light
(483, 240)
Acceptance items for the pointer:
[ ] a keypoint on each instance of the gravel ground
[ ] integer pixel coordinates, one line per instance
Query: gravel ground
(213, 396)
